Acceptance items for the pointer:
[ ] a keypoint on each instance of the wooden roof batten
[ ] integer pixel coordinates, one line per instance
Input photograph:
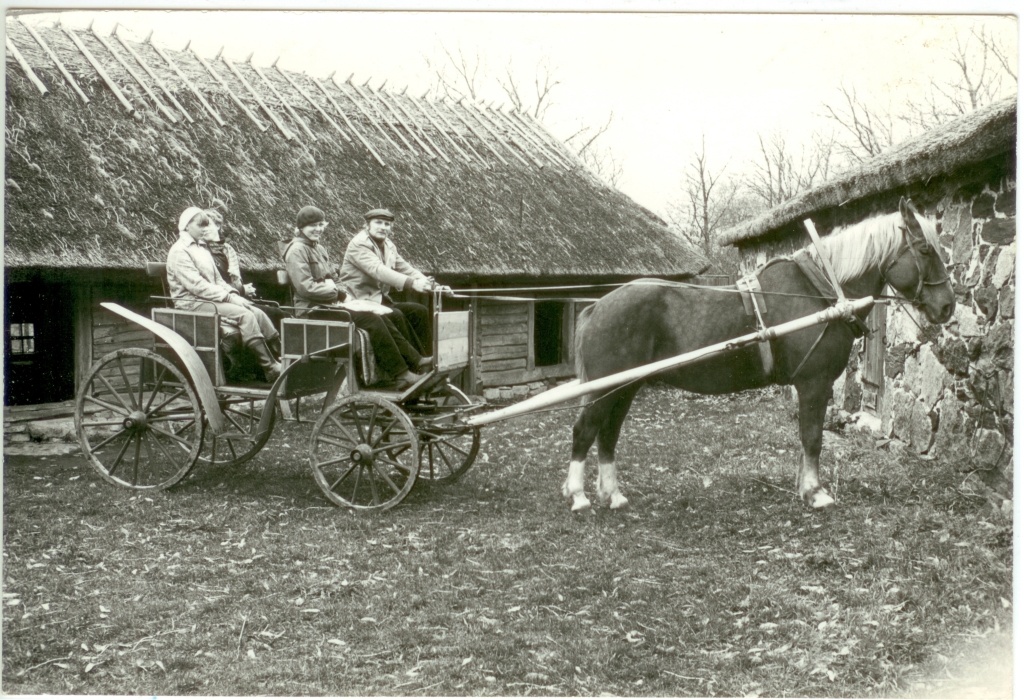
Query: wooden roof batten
(383, 117)
(184, 79)
(376, 124)
(510, 135)
(475, 110)
(237, 100)
(531, 139)
(418, 122)
(458, 114)
(125, 102)
(560, 148)
(25, 67)
(142, 83)
(287, 106)
(381, 95)
(152, 74)
(417, 125)
(349, 124)
(438, 127)
(285, 131)
(309, 98)
(60, 64)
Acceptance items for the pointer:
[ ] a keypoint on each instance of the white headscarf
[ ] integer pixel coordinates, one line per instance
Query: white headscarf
(187, 216)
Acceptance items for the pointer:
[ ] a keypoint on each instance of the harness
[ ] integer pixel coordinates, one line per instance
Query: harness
(907, 247)
(752, 295)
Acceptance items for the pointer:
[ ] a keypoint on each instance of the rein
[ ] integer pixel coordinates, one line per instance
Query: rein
(907, 247)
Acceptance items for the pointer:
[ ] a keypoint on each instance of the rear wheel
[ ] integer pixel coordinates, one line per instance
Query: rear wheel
(241, 441)
(138, 419)
(364, 453)
(448, 450)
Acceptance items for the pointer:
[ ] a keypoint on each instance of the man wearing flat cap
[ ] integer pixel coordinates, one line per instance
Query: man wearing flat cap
(373, 266)
(319, 295)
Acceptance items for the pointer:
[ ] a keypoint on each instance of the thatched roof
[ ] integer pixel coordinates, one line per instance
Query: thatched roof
(974, 138)
(477, 191)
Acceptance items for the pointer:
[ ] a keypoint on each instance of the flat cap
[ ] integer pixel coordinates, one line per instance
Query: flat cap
(379, 214)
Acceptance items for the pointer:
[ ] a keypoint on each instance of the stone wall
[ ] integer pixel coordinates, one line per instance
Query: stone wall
(949, 390)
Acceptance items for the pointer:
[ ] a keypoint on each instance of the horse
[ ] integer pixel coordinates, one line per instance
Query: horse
(648, 320)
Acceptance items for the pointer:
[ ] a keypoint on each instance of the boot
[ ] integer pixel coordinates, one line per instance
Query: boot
(271, 368)
(274, 344)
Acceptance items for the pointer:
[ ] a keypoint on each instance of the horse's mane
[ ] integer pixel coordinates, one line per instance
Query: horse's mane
(857, 248)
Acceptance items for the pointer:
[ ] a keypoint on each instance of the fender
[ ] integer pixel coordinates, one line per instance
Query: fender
(189, 358)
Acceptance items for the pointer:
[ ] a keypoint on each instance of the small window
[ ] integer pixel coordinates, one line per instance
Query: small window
(548, 333)
(23, 338)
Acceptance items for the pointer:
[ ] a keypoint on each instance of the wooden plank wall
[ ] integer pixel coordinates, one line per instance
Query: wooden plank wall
(504, 340)
(503, 345)
(109, 331)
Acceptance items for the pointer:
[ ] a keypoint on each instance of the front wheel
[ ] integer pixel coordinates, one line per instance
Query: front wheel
(242, 440)
(364, 453)
(449, 449)
(138, 419)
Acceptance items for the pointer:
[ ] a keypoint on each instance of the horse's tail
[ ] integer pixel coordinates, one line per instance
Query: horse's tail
(581, 323)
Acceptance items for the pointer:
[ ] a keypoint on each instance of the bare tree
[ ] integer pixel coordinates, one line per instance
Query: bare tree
(457, 76)
(983, 72)
(781, 171)
(871, 130)
(709, 202)
(537, 104)
(597, 159)
(461, 76)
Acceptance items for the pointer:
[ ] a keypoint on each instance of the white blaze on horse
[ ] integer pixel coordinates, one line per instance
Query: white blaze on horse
(650, 320)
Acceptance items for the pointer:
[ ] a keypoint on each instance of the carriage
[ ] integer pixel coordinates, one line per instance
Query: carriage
(145, 417)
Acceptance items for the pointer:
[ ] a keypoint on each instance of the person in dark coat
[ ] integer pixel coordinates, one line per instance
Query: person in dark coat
(317, 295)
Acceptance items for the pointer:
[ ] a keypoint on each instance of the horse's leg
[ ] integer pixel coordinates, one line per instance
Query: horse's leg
(813, 398)
(608, 436)
(583, 433)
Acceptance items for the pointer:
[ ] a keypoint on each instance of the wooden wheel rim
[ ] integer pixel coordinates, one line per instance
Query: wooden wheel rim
(152, 430)
(445, 457)
(364, 453)
(240, 444)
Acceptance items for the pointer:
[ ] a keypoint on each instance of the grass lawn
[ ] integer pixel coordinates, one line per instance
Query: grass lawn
(715, 580)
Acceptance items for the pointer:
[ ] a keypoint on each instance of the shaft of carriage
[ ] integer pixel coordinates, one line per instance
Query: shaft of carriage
(575, 389)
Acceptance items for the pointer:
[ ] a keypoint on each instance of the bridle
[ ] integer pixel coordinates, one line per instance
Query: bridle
(907, 247)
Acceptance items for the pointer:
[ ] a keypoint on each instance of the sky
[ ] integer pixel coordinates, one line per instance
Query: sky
(669, 81)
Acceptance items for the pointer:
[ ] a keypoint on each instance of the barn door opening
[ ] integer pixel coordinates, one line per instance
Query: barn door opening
(39, 348)
(549, 333)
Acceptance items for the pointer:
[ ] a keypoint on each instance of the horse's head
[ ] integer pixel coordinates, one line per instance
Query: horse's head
(916, 270)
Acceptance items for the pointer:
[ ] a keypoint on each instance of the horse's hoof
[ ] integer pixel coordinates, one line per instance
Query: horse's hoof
(618, 501)
(819, 499)
(580, 503)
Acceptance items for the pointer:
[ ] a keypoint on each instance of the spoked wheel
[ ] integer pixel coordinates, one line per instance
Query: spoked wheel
(241, 440)
(447, 450)
(364, 453)
(139, 420)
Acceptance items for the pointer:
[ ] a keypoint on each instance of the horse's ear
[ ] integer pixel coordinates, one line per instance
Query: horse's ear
(907, 209)
(909, 213)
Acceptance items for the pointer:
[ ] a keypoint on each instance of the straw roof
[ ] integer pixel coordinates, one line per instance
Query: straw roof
(983, 134)
(477, 191)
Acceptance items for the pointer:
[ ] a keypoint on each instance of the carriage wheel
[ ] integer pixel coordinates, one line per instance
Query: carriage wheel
(446, 453)
(364, 453)
(241, 441)
(139, 420)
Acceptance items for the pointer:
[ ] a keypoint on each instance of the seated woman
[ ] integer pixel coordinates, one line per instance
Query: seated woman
(195, 285)
(225, 257)
(311, 275)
